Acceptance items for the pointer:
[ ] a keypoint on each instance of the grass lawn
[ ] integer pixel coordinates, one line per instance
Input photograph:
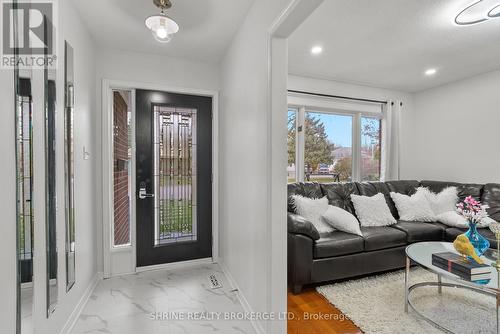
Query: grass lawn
(176, 216)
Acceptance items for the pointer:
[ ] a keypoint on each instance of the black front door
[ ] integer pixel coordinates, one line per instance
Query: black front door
(173, 177)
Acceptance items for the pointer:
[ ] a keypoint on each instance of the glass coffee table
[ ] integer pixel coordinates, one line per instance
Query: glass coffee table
(421, 254)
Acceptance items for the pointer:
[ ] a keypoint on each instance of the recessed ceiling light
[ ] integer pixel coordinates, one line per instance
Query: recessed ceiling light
(430, 71)
(316, 50)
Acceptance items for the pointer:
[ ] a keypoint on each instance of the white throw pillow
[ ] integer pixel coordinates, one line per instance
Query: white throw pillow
(372, 211)
(443, 202)
(454, 219)
(413, 208)
(312, 209)
(342, 220)
(486, 222)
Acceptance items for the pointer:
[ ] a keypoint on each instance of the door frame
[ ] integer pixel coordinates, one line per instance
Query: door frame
(122, 259)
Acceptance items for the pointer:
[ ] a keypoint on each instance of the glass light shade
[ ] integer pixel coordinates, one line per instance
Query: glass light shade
(162, 27)
(475, 13)
(495, 12)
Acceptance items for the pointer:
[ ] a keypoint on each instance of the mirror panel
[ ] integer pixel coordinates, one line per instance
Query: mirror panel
(50, 188)
(69, 164)
(50, 76)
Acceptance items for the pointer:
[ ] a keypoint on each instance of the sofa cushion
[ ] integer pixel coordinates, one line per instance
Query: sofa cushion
(373, 188)
(442, 226)
(464, 189)
(403, 187)
(312, 190)
(452, 232)
(337, 243)
(339, 194)
(491, 197)
(382, 237)
(420, 231)
(486, 232)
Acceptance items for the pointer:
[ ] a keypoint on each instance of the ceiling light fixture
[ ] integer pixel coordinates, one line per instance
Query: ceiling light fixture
(478, 12)
(162, 27)
(495, 12)
(430, 72)
(316, 50)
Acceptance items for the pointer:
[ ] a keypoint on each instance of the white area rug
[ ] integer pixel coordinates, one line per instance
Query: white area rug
(376, 305)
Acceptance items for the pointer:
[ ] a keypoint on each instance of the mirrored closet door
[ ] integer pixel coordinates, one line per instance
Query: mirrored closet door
(50, 76)
(68, 167)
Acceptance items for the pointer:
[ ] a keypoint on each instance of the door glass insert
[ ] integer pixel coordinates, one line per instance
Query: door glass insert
(25, 168)
(175, 174)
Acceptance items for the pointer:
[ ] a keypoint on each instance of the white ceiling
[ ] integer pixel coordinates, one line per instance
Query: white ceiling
(390, 43)
(206, 27)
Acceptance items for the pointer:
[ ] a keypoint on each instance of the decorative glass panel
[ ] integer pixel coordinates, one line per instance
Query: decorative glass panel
(175, 174)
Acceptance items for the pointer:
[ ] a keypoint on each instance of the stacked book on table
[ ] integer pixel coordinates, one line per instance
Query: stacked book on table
(465, 268)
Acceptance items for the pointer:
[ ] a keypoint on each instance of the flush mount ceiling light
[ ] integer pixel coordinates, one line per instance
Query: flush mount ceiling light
(495, 12)
(162, 27)
(316, 50)
(478, 12)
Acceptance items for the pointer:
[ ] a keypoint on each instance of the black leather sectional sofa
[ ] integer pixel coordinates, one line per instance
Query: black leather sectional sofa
(315, 258)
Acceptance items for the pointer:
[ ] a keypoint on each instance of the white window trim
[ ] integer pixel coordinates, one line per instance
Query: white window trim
(333, 107)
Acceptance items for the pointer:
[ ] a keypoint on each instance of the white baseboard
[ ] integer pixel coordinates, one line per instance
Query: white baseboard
(175, 265)
(243, 301)
(73, 318)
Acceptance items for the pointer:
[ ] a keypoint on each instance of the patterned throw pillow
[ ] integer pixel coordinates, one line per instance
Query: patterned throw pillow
(413, 208)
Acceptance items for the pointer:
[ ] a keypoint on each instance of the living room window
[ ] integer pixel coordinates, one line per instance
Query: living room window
(327, 147)
(371, 148)
(334, 144)
(292, 145)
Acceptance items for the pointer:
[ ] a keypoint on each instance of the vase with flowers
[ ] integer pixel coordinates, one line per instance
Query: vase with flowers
(474, 212)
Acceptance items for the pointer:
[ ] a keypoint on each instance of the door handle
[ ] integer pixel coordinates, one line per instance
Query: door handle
(143, 194)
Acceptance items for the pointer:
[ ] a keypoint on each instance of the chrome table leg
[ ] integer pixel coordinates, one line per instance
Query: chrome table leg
(407, 277)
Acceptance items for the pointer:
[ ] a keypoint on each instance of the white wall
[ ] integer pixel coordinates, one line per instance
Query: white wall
(155, 69)
(72, 30)
(245, 159)
(457, 136)
(7, 204)
(367, 92)
(86, 210)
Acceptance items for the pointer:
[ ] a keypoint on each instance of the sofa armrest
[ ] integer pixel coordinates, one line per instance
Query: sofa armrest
(299, 225)
(300, 261)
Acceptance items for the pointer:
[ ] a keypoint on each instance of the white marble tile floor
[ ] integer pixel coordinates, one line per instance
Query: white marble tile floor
(163, 302)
